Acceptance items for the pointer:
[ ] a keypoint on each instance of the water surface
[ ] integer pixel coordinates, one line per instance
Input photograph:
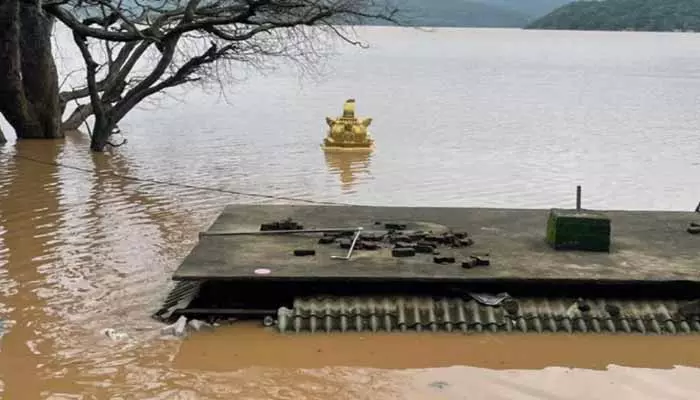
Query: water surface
(462, 118)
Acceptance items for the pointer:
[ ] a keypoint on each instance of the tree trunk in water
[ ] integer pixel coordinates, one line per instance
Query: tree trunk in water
(105, 119)
(39, 73)
(29, 88)
(104, 126)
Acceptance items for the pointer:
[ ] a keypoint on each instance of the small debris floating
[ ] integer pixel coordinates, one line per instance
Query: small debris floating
(114, 334)
(179, 328)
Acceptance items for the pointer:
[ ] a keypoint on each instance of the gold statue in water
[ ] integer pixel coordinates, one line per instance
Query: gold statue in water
(348, 132)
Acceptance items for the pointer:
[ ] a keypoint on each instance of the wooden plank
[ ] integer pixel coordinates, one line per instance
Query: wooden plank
(645, 246)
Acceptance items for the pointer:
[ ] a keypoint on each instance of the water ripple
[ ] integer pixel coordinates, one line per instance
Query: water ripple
(502, 122)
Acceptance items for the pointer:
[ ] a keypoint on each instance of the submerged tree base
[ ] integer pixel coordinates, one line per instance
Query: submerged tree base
(29, 87)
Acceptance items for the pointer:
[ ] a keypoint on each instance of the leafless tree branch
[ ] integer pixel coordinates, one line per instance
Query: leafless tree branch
(160, 44)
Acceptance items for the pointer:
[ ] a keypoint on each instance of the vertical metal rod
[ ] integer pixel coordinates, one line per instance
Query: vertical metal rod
(578, 198)
(354, 240)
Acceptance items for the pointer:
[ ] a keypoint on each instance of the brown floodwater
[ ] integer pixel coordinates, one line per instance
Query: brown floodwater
(82, 250)
(463, 117)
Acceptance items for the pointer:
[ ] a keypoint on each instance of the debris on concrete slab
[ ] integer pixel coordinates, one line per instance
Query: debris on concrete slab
(424, 248)
(283, 225)
(367, 246)
(403, 252)
(371, 237)
(417, 235)
(694, 228)
(404, 245)
(443, 260)
(481, 260)
(432, 238)
(394, 239)
(326, 239)
(466, 242)
(476, 260)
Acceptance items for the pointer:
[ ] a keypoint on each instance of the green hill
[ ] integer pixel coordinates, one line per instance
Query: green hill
(531, 8)
(472, 13)
(458, 13)
(618, 15)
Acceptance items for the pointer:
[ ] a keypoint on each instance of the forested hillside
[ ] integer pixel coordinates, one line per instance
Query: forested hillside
(473, 13)
(617, 15)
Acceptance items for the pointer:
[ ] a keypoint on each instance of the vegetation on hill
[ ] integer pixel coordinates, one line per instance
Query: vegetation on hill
(532, 8)
(473, 13)
(618, 15)
(458, 13)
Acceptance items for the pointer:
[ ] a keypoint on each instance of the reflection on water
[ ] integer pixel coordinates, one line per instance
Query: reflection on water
(80, 253)
(30, 220)
(349, 166)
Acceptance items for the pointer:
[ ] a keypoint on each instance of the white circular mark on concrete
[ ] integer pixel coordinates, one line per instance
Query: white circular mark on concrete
(262, 271)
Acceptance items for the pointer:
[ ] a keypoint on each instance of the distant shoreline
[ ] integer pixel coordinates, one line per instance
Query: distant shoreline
(514, 28)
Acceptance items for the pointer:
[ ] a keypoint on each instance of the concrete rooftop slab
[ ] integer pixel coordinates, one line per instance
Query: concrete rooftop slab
(646, 246)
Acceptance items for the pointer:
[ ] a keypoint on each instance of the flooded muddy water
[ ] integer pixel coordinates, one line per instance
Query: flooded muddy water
(84, 247)
(84, 251)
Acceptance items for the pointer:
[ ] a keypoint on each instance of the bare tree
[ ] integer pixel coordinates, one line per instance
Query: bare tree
(178, 42)
(29, 83)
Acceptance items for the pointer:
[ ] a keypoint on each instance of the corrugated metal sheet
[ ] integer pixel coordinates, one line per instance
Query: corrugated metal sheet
(178, 298)
(531, 315)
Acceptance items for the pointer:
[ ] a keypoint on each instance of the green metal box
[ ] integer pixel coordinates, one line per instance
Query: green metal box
(578, 230)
